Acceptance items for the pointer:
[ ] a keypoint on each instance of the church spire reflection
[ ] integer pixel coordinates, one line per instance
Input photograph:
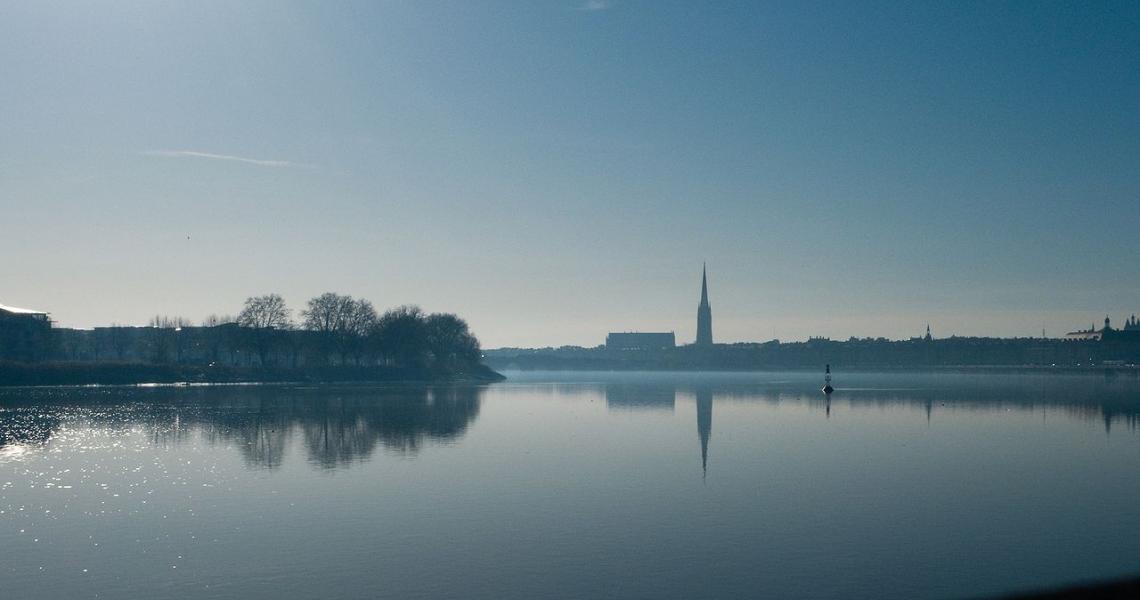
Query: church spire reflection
(704, 426)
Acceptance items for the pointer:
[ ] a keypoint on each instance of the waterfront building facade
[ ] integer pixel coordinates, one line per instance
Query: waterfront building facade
(25, 334)
(643, 341)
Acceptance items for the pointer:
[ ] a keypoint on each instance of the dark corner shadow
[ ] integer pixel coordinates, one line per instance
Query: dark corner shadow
(1119, 589)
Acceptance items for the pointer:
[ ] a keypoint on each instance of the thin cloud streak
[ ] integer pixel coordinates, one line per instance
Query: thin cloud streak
(594, 5)
(229, 157)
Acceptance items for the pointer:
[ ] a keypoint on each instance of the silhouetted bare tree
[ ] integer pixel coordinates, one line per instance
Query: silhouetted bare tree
(325, 312)
(264, 316)
(325, 315)
(362, 318)
(341, 322)
(265, 312)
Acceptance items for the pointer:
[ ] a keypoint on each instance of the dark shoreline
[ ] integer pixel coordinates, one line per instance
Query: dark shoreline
(14, 374)
(999, 369)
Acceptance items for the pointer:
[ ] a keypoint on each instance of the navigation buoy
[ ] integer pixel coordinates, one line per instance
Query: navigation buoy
(827, 389)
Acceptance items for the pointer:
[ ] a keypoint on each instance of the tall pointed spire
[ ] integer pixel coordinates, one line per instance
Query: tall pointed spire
(704, 284)
(704, 312)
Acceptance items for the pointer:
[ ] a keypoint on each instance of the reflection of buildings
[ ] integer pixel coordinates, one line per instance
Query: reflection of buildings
(634, 396)
(704, 425)
(643, 396)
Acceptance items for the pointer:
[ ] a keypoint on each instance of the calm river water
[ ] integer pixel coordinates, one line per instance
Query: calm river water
(573, 485)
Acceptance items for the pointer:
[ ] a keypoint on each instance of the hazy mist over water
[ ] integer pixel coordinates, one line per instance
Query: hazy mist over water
(904, 485)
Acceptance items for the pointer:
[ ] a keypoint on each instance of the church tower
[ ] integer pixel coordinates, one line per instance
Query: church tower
(704, 313)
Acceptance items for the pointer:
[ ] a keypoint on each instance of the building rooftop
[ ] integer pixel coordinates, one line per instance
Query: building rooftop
(20, 311)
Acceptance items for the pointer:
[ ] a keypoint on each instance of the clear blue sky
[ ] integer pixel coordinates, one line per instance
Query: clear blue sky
(555, 170)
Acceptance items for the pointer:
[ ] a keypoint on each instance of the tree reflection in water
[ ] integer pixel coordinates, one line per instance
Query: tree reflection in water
(340, 426)
(337, 427)
(347, 429)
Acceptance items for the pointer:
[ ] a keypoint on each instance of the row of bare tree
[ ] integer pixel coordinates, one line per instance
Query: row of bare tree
(332, 329)
(351, 331)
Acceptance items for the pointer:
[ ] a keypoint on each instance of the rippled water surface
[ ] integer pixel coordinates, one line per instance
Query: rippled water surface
(573, 485)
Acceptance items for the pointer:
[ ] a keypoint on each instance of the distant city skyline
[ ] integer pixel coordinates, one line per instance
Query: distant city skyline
(703, 314)
(553, 171)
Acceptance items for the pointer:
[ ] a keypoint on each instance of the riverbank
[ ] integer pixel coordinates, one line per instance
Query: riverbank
(1128, 369)
(1119, 350)
(116, 373)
